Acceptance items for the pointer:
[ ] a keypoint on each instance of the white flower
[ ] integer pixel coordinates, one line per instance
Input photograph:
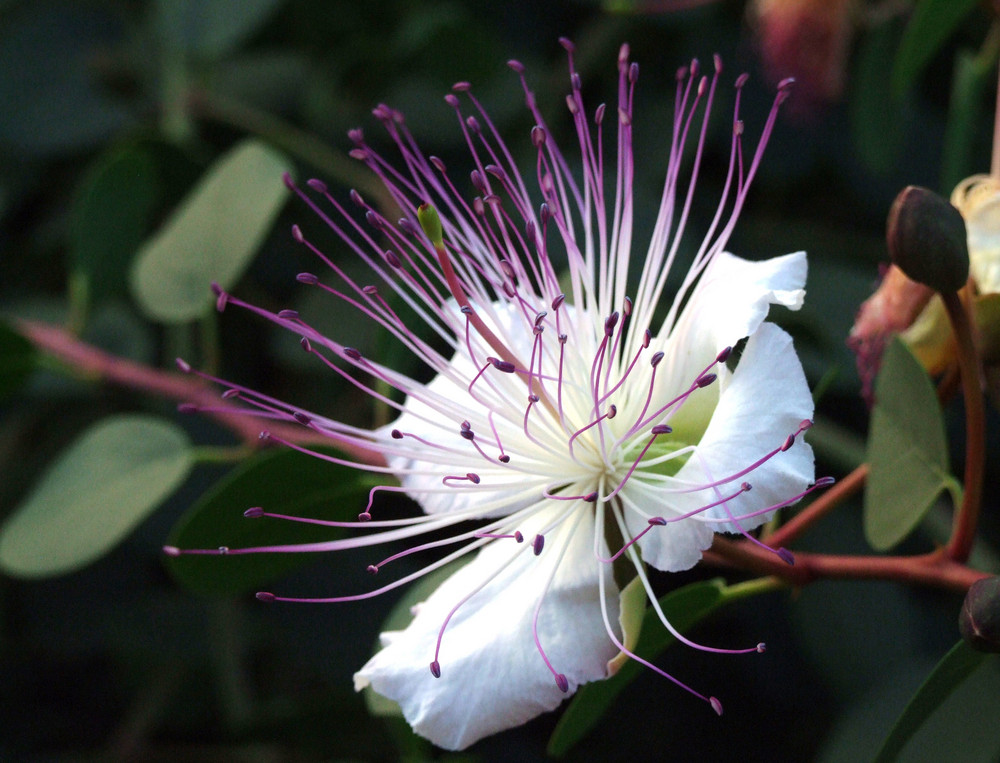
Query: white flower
(562, 422)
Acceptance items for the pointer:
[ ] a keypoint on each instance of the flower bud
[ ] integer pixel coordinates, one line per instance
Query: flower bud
(979, 620)
(927, 239)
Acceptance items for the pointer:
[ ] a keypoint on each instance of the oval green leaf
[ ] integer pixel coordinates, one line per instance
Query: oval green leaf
(907, 450)
(282, 482)
(96, 492)
(212, 235)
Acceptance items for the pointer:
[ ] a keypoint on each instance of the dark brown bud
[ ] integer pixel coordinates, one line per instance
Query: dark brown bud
(927, 239)
(979, 621)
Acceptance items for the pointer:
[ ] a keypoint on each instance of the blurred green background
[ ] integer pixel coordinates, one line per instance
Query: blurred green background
(110, 112)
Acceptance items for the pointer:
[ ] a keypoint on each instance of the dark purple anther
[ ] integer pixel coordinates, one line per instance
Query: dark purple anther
(563, 338)
(538, 544)
(647, 337)
(532, 398)
(516, 65)
(786, 556)
(610, 323)
(477, 181)
(599, 114)
(825, 481)
(704, 381)
(452, 100)
(466, 310)
(360, 154)
(253, 512)
(382, 112)
(221, 301)
(370, 289)
(567, 44)
(317, 185)
(507, 269)
(575, 81)
(557, 302)
(716, 705)
(544, 213)
(438, 164)
(538, 136)
(373, 220)
(364, 516)
(658, 521)
(462, 87)
(591, 497)
(468, 434)
(633, 72)
(742, 80)
(307, 278)
(356, 198)
(187, 408)
(518, 536)
(265, 596)
(659, 429)
(407, 226)
(306, 344)
(288, 315)
(789, 442)
(466, 425)
(229, 394)
(436, 669)
(502, 365)
(723, 356)
(372, 569)
(562, 683)
(395, 434)
(297, 234)
(356, 135)
(473, 124)
(302, 418)
(655, 360)
(352, 353)
(495, 171)
(612, 411)
(391, 259)
(746, 487)
(183, 365)
(473, 478)
(504, 459)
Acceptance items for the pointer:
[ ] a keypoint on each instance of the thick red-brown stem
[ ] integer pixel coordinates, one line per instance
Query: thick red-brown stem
(967, 516)
(101, 366)
(840, 491)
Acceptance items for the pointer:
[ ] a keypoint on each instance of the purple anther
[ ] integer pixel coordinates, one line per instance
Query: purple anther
(610, 322)
(253, 512)
(265, 596)
(452, 100)
(723, 356)
(518, 536)
(473, 124)
(633, 72)
(516, 65)
(477, 181)
(364, 516)
(478, 207)
(382, 112)
(627, 307)
(504, 459)
(532, 398)
(302, 418)
(789, 442)
(372, 569)
(717, 60)
(562, 682)
(746, 487)
(786, 83)
(307, 278)
(599, 114)
(317, 185)
(356, 135)
(623, 54)
(495, 171)
(805, 424)
(468, 434)
(647, 337)
(466, 310)
(395, 434)
(473, 478)
(742, 80)
(537, 136)
(288, 315)
(356, 198)
(623, 117)
(407, 226)
(655, 360)
(221, 301)
(738, 127)
(507, 269)
(306, 344)
(223, 550)
(557, 302)
(786, 556)
(171, 551)
(466, 425)
(229, 394)
(694, 68)
(612, 411)
(659, 429)
(682, 73)
(391, 259)
(704, 381)
(716, 705)
(575, 82)
(436, 669)
(187, 408)
(373, 220)
(502, 365)
(825, 481)
(297, 234)
(591, 497)
(462, 87)
(658, 521)
(761, 648)
(544, 212)
(264, 436)
(563, 338)
(352, 353)
(567, 44)
(438, 164)
(538, 544)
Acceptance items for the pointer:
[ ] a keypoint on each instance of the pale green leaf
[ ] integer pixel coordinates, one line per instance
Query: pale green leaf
(212, 235)
(930, 26)
(96, 492)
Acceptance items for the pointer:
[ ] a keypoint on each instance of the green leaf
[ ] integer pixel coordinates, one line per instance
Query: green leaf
(953, 669)
(875, 129)
(965, 115)
(683, 608)
(17, 359)
(282, 482)
(96, 492)
(930, 26)
(211, 28)
(112, 212)
(212, 235)
(907, 450)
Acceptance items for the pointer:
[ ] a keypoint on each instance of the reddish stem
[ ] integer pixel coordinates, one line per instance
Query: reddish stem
(839, 492)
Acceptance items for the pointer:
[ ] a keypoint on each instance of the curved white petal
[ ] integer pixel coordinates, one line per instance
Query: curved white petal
(492, 675)
(759, 405)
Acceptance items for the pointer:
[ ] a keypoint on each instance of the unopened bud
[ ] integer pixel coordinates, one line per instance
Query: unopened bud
(927, 239)
(979, 620)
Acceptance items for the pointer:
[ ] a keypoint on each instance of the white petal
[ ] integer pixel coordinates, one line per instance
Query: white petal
(492, 676)
(759, 406)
